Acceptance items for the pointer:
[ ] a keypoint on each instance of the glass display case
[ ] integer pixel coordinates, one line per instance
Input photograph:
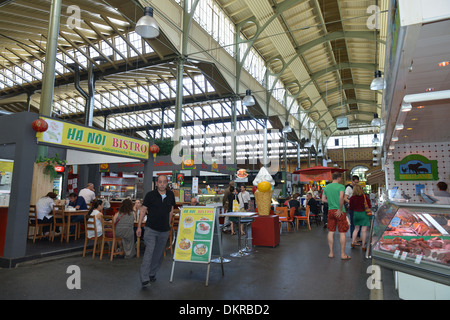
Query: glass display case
(414, 239)
(6, 168)
(205, 199)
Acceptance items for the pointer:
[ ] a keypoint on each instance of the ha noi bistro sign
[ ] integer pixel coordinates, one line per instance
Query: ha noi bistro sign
(74, 136)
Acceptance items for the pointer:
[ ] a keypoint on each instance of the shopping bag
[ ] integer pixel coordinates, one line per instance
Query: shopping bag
(366, 206)
(236, 206)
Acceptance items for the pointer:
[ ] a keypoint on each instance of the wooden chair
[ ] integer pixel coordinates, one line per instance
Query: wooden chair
(33, 222)
(109, 235)
(58, 221)
(303, 218)
(91, 225)
(173, 231)
(292, 217)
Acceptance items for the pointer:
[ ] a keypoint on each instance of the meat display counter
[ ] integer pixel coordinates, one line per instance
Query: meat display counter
(413, 239)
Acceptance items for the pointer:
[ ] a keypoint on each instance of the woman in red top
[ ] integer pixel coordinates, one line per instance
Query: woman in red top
(360, 218)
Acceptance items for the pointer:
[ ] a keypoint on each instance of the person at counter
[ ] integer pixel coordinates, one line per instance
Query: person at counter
(442, 192)
(44, 208)
(88, 193)
(194, 201)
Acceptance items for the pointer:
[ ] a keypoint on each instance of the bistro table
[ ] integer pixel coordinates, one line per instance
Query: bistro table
(239, 215)
(68, 214)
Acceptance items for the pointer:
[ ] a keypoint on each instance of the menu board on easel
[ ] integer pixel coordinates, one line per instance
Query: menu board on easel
(195, 234)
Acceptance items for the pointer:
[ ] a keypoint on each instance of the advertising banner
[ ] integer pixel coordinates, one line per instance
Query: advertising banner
(87, 138)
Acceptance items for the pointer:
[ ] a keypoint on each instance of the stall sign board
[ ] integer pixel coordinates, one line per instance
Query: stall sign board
(195, 234)
(74, 136)
(415, 167)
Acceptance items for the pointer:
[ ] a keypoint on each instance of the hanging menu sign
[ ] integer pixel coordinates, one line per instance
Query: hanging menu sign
(195, 234)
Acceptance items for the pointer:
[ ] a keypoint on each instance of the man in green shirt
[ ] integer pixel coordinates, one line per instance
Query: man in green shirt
(333, 194)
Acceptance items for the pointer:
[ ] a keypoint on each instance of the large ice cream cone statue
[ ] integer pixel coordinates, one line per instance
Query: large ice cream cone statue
(263, 194)
(263, 201)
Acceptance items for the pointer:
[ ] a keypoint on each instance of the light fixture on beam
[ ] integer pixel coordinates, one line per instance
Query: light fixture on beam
(248, 99)
(147, 27)
(307, 144)
(378, 82)
(376, 122)
(375, 139)
(287, 128)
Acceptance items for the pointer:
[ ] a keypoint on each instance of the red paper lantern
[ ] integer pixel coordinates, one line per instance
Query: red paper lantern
(180, 179)
(39, 125)
(154, 149)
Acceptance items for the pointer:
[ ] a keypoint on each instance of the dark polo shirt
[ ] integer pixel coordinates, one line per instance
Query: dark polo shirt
(158, 210)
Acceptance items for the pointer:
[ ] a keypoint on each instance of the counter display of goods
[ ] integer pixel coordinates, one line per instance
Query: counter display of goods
(206, 199)
(415, 238)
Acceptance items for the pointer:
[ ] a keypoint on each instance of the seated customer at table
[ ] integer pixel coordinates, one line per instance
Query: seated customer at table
(312, 203)
(44, 208)
(294, 203)
(124, 221)
(96, 211)
(79, 204)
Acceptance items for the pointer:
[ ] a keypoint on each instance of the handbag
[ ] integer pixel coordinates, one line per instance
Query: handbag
(366, 207)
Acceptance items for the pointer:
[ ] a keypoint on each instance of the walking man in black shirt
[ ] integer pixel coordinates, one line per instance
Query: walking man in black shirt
(159, 203)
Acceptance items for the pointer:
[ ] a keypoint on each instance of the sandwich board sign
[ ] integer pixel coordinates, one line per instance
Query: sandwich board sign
(195, 236)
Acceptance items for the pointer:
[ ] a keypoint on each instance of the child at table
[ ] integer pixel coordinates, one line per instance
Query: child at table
(96, 211)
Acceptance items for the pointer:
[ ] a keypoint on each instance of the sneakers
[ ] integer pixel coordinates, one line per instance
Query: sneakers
(146, 284)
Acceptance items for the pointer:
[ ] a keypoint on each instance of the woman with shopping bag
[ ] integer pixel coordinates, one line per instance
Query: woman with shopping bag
(361, 218)
(233, 206)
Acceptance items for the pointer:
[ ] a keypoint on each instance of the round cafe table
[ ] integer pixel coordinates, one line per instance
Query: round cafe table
(239, 215)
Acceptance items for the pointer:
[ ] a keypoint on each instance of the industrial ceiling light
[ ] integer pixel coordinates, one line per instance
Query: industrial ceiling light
(329, 160)
(320, 154)
(147, 27)
(378, 83)
(287, 128)
(375, 151)
(335, 164)
(249, 100)
(376, 122)
(406, 107)
(308, 144)
(375, 139)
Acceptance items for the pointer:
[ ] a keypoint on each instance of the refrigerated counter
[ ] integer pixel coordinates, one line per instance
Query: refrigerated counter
(414, 241)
